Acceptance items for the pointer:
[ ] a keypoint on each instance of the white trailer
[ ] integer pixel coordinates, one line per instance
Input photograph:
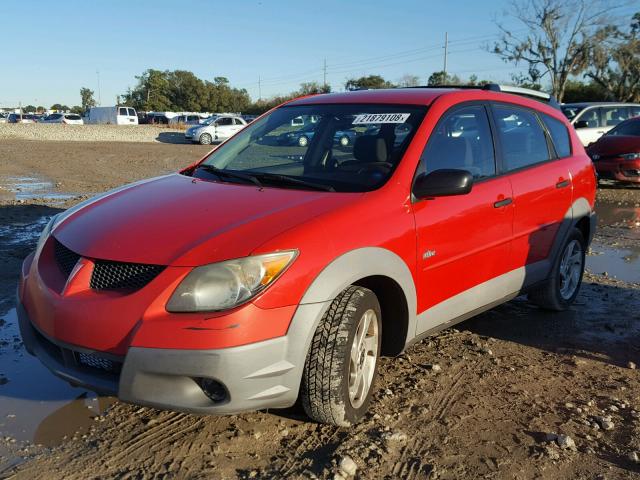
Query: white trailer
(112, 115)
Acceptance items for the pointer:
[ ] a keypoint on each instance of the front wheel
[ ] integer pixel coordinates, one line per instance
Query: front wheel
(562, 288)
(205, 139)
(342, 362)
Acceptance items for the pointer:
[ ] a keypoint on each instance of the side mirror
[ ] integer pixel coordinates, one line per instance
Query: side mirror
(443, 183)
(581, 124)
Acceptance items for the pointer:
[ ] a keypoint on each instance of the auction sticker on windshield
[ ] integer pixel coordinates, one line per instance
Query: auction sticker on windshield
(367, 118)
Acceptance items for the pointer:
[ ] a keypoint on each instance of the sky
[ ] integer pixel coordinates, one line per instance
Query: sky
(52, 48)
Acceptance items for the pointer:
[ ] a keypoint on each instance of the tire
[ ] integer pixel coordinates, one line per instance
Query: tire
(205, 139)
(344, 141)
(303, 141)
(563, 286)
(329, 391)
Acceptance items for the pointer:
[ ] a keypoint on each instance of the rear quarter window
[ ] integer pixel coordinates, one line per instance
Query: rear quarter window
(559, 135)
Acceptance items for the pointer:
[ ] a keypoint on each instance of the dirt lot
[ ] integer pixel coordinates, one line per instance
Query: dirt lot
(484, 400)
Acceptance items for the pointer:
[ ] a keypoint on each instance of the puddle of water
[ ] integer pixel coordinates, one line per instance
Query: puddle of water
(35, 405)
(612, 214)
(623, 264)
(18, 233)
(32, 188)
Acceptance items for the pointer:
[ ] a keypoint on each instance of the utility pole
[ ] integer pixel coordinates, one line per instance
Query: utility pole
(259, 88)
(446, 51)
(324, 74)
(99, 98)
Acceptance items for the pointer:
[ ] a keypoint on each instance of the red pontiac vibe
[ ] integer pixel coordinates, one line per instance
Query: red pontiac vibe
(268, 272)
(616, 155)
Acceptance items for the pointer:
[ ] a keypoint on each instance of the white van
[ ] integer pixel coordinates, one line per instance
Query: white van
(112, 115)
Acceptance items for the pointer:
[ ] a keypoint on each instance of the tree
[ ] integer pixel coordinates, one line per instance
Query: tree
(615, 61)
(29, 109)
(311, 88)
(59, 108)
(87, 100)
(440, 78)
(558, 38)
(39, 109)
(577, 91)
(368, 82)
(78, 109)
(409, 81)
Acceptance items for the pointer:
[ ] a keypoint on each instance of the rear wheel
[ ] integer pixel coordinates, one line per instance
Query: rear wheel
(562, 288)
(341, 366)
(205, 139)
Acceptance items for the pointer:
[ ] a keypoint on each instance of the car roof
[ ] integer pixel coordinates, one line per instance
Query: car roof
(595, 104)
(411, 96)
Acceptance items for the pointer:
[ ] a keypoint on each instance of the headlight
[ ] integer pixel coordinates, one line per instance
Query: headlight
(630, 156)
(46, 231)
(224, 285)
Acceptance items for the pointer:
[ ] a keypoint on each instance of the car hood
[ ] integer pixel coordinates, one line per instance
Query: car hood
(614, 145)
(179, 220)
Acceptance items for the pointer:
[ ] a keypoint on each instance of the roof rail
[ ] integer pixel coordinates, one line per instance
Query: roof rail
(494, 87)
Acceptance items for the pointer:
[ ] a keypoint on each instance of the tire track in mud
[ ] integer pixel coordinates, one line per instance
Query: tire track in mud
(410, 464)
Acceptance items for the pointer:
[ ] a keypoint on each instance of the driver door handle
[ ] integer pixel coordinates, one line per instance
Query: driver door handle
(503, 203)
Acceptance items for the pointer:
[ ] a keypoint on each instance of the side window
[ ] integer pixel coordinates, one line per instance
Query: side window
(521, 136)
(462, 139)
(559, 135)
(612, 116)
(635, 112)
(224, 121)
(590, 117)
(132, 112)
(237, 121)
(122, 111)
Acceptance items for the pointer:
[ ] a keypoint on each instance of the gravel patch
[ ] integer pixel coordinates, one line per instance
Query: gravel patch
(91, 133)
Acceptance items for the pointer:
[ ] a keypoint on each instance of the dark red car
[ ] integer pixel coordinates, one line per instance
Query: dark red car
(616, 155)
(266, 272)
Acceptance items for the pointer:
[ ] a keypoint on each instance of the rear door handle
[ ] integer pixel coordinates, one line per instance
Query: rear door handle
(503, 203)
(563, 183)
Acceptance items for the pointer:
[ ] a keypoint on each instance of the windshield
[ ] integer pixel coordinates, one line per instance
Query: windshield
(346, 148)
(210, 120)
(570, 111)
(630, 128)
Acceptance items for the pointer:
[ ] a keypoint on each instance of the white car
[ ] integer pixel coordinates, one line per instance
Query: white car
(593, 119)
(191, 119)
(215, 129)
(66, 118)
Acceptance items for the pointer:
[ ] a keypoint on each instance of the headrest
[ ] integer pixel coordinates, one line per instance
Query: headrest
(370, 148)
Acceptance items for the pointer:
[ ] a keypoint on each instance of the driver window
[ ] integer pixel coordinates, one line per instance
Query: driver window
(461, 140)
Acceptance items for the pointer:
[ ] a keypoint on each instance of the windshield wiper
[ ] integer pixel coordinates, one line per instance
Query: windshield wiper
(293, 181)
(230, 174)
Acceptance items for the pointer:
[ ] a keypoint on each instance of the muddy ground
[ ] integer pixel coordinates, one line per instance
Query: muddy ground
(507, 382)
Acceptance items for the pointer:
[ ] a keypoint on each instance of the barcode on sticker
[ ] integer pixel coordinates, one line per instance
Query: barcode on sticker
(368, 118)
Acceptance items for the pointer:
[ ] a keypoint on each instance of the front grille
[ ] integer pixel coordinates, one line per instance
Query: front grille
(101, 363)
(109, 275)
(65, 258)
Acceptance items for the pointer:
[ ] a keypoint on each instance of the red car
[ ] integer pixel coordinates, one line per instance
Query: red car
(266, 273)
(616, 155)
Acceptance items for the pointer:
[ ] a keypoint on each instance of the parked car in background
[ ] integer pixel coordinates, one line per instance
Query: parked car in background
(24, 118)
(592, 120)
(191, 119)
(157, 118)
(257, 279)
(303, 136)
(3, 117)
(216, 128)
(66, 118)
(616, 155)
(112, 115)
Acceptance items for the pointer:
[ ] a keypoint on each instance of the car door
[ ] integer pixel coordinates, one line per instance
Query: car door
(463, 241)
(588, 125)
(224, 127)
(541, 185)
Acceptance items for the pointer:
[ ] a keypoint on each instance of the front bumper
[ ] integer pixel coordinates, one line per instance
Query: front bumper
(620, 170)
(255, 376)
